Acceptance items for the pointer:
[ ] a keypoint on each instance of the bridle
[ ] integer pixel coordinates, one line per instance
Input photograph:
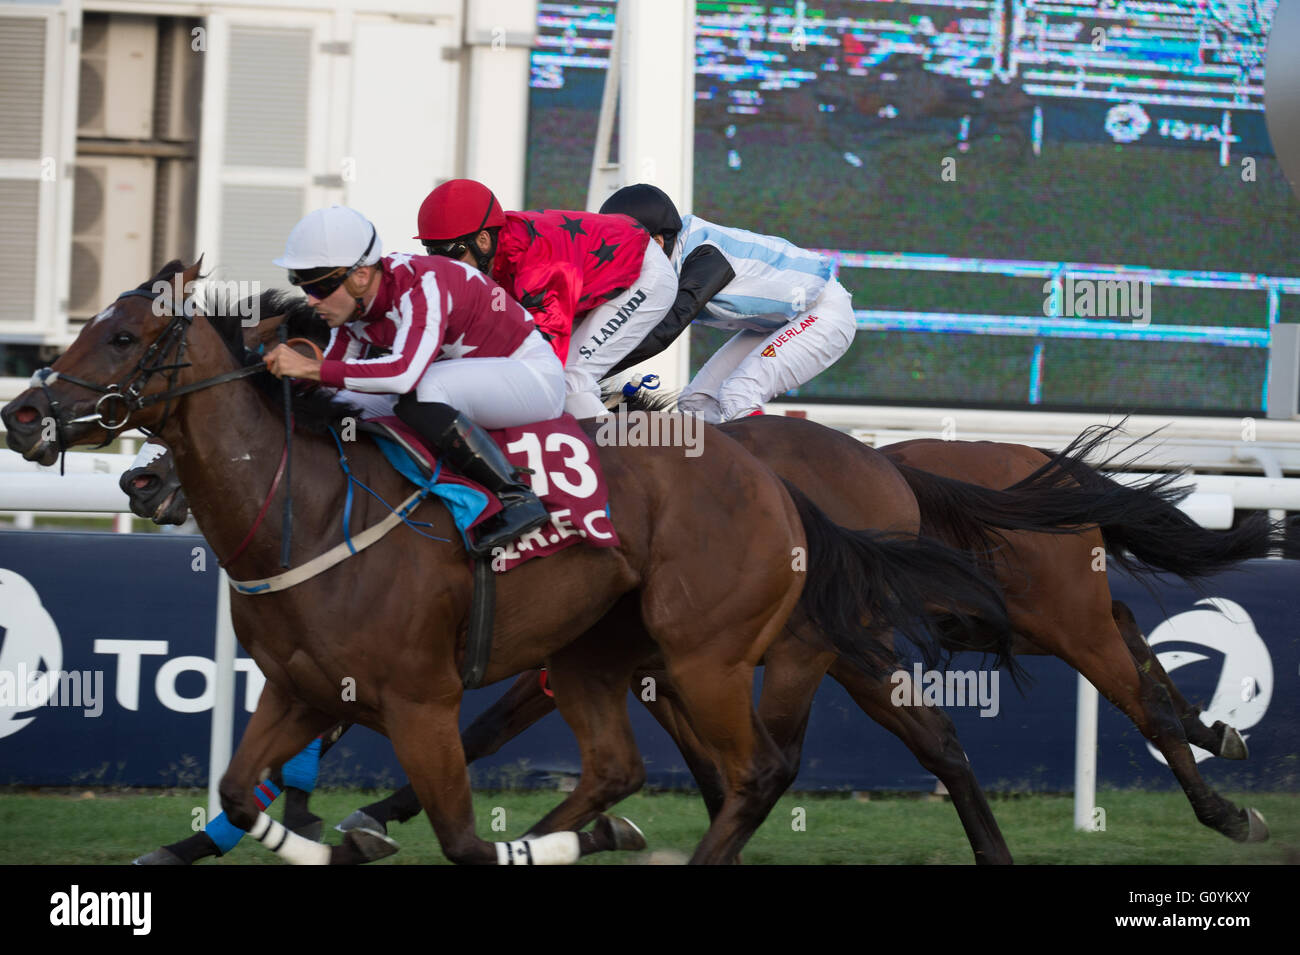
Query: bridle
(129, 392)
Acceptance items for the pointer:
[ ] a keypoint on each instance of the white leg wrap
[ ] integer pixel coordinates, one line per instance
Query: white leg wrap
(558, 848)
(288, 845)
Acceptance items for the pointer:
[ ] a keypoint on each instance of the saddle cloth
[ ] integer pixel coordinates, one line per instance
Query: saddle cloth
(566, 475)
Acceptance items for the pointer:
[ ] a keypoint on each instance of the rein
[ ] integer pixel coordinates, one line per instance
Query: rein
(261, 515)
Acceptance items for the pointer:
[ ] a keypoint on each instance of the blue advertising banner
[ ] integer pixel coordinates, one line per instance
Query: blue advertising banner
(106, 666)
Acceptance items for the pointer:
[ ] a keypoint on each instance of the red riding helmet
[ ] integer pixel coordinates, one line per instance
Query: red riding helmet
(456, 208)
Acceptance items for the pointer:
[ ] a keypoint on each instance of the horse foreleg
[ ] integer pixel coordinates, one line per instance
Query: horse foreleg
(1220, 739)
(279, 728)
(929, 733)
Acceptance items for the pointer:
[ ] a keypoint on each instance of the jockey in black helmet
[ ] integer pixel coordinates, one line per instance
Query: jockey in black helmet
(792, 317)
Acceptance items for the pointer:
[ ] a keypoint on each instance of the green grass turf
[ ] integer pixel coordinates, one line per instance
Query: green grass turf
(1141, 828)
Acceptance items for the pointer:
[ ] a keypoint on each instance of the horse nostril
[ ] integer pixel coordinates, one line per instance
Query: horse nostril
(143, 482)
(26, 415)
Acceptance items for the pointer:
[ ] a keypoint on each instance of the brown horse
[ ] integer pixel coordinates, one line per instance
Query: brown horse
(376, 641)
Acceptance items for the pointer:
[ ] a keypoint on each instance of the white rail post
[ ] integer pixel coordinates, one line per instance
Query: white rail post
(122, 522)
(1085, 756)
(223, 695)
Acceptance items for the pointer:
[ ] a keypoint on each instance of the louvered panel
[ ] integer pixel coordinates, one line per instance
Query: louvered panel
(266, 106)
(255, 221)
(20, 199)
(22, 86)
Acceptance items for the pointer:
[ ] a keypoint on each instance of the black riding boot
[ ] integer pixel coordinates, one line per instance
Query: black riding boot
(469, 449)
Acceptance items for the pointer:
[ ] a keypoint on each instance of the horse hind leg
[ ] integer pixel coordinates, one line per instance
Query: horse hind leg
(590, 679)
(1220, 739)
(1110, 667)
(929, 733)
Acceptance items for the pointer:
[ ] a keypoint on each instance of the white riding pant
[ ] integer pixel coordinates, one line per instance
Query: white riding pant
(610, 331)
(494, 393)
(740, 377)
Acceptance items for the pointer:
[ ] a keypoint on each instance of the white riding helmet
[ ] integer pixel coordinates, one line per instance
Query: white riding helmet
(331, 238)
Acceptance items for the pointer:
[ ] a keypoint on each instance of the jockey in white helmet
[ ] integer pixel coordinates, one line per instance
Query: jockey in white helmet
(462, 355)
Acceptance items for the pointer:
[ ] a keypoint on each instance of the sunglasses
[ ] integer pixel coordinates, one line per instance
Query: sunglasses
(320, 283)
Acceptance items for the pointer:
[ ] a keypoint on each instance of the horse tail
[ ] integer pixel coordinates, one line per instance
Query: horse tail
(861, 584)
(1141, 525)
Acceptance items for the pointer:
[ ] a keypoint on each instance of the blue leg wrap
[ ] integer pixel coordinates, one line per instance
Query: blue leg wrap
(301, 771)
(224, 833)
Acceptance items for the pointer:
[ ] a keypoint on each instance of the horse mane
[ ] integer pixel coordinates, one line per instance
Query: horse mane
(313, 409)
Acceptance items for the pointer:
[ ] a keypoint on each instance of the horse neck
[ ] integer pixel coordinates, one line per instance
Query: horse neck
(227, 445)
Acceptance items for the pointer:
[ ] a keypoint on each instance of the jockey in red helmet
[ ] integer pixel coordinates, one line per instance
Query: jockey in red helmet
(595, 284)
(454, 340)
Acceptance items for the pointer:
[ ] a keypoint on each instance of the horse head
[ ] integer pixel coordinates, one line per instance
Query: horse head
(124, 359)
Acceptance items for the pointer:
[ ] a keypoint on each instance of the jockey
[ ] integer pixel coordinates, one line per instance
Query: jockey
(793, 318)
(463, 355)
(596, 284)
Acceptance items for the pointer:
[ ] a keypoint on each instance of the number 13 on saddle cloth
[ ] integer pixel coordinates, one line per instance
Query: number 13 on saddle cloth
(565, 474)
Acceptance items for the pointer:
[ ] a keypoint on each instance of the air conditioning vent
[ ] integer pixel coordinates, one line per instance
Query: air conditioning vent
(112, 242)
(88, 201)
(180, 82)
(118, 63)
(175, 208)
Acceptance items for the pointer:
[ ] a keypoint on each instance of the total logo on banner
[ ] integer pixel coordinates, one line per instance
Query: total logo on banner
(1245, 685)
(32, 675)
(31, 653)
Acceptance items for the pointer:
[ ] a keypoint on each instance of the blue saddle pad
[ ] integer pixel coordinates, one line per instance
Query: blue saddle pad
(465, 503)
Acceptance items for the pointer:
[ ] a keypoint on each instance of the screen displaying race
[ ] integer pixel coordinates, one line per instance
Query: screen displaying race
(1066, 206)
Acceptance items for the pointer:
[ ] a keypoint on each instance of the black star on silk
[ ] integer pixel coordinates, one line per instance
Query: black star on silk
(606, 252)
(532, 300)
(532, 229)
(573, 227)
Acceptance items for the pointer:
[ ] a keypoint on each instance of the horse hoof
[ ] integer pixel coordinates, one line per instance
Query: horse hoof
(623, 832)
(1231, 745)
(160, 857)
(366, 845)
(361, 820)
(1258, 827)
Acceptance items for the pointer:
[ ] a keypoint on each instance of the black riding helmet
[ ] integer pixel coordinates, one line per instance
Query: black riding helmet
(650, 206)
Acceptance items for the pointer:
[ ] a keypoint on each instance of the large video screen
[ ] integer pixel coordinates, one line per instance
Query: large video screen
(1055, 205)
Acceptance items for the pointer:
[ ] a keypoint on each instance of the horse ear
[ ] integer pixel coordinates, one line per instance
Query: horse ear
(191, 274)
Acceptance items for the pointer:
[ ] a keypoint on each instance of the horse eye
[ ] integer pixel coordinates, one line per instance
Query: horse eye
(121, 340)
